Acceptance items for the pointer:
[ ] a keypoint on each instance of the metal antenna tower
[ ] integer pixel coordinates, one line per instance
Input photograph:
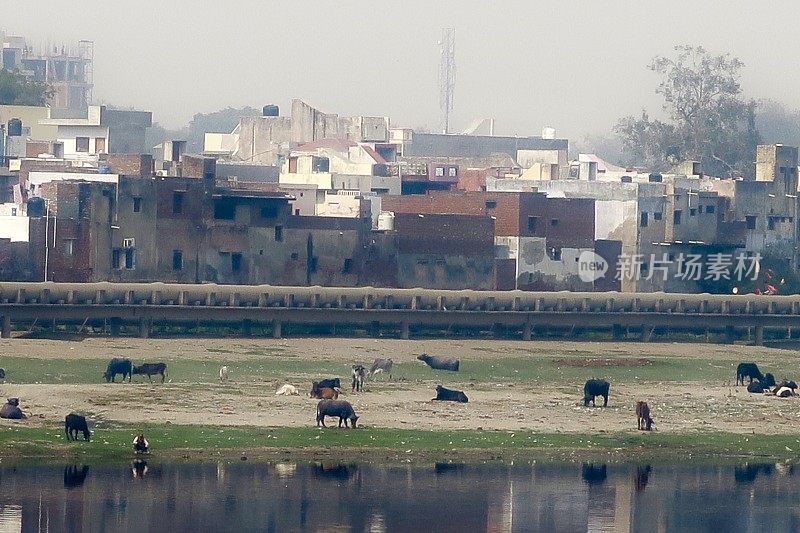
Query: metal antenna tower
(447, 75)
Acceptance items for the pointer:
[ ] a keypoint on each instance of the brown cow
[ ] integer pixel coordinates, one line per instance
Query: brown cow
(643, 420)
(325, 393)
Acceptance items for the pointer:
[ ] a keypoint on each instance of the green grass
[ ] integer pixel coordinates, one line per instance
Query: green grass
(172, 441)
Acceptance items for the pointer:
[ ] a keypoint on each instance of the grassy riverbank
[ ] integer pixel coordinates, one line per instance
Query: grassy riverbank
(175, 442)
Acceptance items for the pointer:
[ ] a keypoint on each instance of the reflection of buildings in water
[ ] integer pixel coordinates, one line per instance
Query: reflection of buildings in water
(220, 472)
(285, 470)
(10, 518)
(500, 512)
(377, 523)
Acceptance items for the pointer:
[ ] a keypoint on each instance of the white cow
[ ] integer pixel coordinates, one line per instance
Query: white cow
(223, 374)
(287, 390)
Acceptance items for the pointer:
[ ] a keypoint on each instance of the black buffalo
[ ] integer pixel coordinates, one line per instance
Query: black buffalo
(595, 387)
(440, 363)
(332, 383)
(340, 408)
(749, 370)
(11, 410)
(448, 395)
(73, 424)
(151, 369)
(118, 366)
(757, 387)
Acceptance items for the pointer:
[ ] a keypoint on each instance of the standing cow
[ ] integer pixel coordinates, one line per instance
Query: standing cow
(358, 378)
(748, 370)
(340, 408)
(118, 366)
(381, 366)
(151, 369)
(595, 387)
(440, 363)
(73, 424)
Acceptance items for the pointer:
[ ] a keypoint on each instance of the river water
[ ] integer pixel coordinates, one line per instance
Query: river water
(316, 497)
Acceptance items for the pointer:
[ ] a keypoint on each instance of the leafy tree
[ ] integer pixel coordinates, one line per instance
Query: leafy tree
(777, 124)
(16, 89)
(707, 118)
(222, 121)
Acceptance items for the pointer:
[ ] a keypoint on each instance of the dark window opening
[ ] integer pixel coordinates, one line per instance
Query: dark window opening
(177, 260)
(751, 221)
(676, 217)
(295, 256)
(532, 223)
(82, 144)
(320, 164)
(348, 266)
(270, 211)
(297, 212)
(643, 219)
(554, 254)
(656, 216)
(554, 222)
(177, 202)
(710, 208)
(278, 233)
(771, 222)
(692, 212)
(115, 259)
(236, 262)
(130, 259)
(224, 210)
(137, 204)
(491, 204)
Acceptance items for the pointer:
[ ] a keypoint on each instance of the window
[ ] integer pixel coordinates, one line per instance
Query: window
(692, 212)
(643, 219)
(771, 222)
(295, 256)
(710, 208)
(236, 262)
(100, 145)
(297, 212)
(177, 260)
(452, 172)
(177, 202)
(137, 204)
(440, 171)
(115, 259)
(69, 247)
(224, 210)
(278, 233)
(130, 258)
(554, 222)
(348, 266)
(554, 254)
(656, 216)
(491, 204)
(676, 217)
(13, 211)
(532, 223)
(82, 144)
(320, 164)
(751, 221)
(269, 211)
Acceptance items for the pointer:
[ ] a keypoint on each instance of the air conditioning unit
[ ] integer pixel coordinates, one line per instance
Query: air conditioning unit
(129, 243)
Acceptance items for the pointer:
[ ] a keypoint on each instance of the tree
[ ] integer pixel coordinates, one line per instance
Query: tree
(16, 89)
(778, 124)
(223, 121)
(708, 120)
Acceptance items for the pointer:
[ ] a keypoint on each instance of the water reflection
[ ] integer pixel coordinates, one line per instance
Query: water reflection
(75, 476)
(341, 496)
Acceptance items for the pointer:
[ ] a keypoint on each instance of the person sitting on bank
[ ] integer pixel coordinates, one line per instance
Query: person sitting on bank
(140, 444)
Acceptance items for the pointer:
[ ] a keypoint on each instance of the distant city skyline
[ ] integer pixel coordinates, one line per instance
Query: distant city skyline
(574, 66)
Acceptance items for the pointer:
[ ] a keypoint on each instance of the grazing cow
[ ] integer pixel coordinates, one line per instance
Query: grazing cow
(151, 369)
(340, 408)
(223, 374)
(324, 393)
(358, 377)
(11, 410)
(595, 387)
(440, 363)
(758, 387)
(287, 390)
(73, 424)
(749, 370)
(447, 395)
(381, 366)
(140, 444)
(118, 366)
(769, 380)
(643, 420)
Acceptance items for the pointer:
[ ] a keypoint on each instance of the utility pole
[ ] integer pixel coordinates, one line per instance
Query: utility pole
(447, 75)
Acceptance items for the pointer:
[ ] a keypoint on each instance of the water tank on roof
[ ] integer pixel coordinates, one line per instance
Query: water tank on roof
(386, 221)
(36, 207)
(270, 111)
(15, 127)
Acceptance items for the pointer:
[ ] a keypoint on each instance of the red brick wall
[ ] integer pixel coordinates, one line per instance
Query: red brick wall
(130, 164)
(460, 235)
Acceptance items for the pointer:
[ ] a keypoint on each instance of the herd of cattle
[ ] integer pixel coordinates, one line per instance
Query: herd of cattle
(328, 390)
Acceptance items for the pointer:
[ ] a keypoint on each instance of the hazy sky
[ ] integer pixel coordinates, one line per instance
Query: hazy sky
(575, 65)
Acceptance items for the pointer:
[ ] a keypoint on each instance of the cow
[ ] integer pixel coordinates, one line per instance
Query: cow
(324, 393)
(749, 370)
(448, 395)
(340, 408)
(381, 366)
(358, 372)
(12, 411)
(140, 444)
(769, 380)
(118, 366)
(73, 424)
(223, 374)
(440, 363)
(784, 392)
(151, 369)
(785, 383)
(643, 420)
(2, 373)
(595, 387)
(287, 390)
(332, 383)
(758, 387)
